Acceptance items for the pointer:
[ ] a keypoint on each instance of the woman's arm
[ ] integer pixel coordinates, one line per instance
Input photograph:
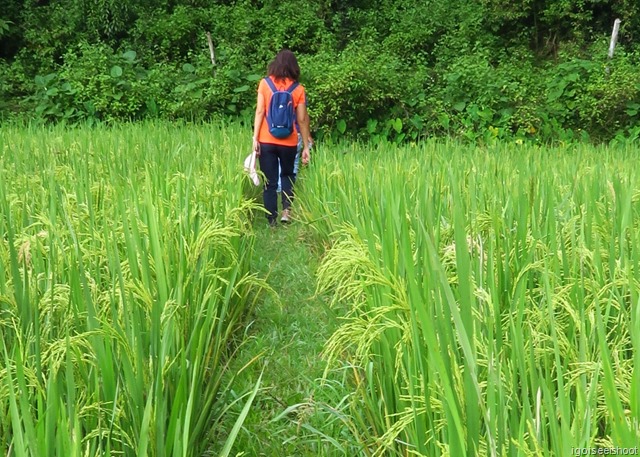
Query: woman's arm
(303, 121)
(257, 122)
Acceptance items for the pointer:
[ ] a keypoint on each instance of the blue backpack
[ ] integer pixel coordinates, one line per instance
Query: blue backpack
(281, 115)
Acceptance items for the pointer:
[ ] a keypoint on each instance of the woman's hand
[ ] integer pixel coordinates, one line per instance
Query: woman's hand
(305, 155)
(256, 146)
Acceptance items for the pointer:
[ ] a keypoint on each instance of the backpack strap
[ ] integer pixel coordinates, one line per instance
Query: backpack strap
(273, 88)
(270, 84)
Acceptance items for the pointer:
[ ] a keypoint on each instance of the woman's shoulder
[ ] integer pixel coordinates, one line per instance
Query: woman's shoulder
(281, 84)
(286, 81)
(299, 95)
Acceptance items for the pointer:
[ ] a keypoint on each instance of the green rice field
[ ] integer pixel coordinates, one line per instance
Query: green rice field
(486, 298)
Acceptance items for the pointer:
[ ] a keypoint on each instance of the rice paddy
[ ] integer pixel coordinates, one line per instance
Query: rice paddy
(493, 296)
(488, 297)
(124, 267)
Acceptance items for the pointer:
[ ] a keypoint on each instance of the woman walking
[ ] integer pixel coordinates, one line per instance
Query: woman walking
(275, 138)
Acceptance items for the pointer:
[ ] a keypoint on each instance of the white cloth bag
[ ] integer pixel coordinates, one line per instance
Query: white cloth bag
(250, 168)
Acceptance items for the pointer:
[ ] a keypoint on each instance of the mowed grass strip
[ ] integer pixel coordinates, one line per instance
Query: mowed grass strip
(294, 412)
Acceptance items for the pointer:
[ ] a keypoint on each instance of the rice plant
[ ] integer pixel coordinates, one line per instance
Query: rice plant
(124, 274)
(493, 295)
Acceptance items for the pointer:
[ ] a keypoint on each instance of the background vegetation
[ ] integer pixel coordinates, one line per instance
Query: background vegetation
(476, 69)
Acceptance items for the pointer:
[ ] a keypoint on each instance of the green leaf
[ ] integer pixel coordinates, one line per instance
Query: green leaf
(188, 68)
(342, 126)
(129, 55)
(397, 125)
(116, 71)
(555, 94)
(228, 445)
(152, 107)
(632, 109)
(144, 428)
(241, 88)
(254, 77)
(444, 120)
(90, 107)
(372, 124)
(459, 106)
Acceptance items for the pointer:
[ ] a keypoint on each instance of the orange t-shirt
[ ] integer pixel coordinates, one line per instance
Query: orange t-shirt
(298, 96)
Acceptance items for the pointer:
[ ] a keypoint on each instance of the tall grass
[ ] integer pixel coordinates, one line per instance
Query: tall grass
(493, 295)
(123, 277)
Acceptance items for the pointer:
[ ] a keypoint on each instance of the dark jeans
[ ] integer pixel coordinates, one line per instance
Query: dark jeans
(272, 155)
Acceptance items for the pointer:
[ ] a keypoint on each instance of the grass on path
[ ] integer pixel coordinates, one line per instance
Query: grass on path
(286, 334)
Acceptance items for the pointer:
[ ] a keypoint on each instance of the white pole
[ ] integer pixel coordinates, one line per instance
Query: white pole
(614, 37)
(614, 40)
(212, 52)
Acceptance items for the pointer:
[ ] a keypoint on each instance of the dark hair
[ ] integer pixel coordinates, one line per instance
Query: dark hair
(285, 65)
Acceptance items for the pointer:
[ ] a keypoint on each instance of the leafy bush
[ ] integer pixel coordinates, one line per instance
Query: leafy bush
(480, 96)
(346, 96)
(95, 83)
(394, 70)
(4, 27)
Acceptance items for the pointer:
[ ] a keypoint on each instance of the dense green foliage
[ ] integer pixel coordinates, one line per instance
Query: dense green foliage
(124, 280)
(477, 69)
(488, 298)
